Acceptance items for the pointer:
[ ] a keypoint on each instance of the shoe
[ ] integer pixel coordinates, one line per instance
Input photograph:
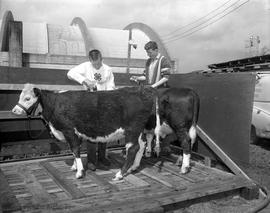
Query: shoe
(91, 166)
(104, 161)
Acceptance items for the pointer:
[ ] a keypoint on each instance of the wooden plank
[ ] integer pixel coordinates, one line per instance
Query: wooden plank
(98, 179)
(136, 181)
(74, 60)
(221, 154)
(165, 200)
(50, 66)
(42, 76)
(128, 207)
(61, 180)
(151, 173)
(205, 189)
(154, 175)
(15, 125)
(171, 169)
(197, 166)
(42, 86)
(8, 201)
(15, 44)
(146, 171)
(8, 115)
(39, 195)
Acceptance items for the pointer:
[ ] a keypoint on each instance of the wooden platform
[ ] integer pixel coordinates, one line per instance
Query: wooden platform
(49, 185)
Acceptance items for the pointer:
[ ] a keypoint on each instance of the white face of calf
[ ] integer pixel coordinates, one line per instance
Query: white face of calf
(26, 100)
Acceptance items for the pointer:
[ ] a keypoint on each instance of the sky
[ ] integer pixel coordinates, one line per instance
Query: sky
(196, 33)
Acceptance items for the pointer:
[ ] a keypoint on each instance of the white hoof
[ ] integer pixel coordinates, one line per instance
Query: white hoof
(79, 174)
(73, 168)
(118, 176)
(185, 170)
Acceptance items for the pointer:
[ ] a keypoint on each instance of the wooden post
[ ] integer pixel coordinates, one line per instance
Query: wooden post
(15, 44)
(129, 50)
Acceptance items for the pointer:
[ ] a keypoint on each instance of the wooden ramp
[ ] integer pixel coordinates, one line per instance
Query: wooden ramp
(48, 185)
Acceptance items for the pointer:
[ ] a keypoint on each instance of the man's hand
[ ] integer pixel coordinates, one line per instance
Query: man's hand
(137, 78)
(134, 78)
(89, 85)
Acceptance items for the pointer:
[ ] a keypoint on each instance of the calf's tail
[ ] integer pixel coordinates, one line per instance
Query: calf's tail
(196, 109)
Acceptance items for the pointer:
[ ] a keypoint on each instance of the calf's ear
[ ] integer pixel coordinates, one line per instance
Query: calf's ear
(37, 92)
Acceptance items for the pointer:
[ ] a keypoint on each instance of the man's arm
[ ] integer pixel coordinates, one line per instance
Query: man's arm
(160, 82)
(110, 81)
(138, 78)
(77, 74)
(165, 72)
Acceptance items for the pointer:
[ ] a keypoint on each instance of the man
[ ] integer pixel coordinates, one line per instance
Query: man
(94, 75)
(156, 74)
(157, 68)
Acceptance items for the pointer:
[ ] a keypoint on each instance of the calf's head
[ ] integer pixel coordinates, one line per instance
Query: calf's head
(28, 101)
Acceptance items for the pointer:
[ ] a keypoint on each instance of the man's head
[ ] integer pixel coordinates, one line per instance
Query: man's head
(95, 58)
(151, 49)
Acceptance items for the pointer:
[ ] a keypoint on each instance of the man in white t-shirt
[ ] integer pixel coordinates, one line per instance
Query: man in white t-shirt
(94, 75)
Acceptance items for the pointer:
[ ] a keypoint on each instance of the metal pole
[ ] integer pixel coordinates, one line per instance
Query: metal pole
(129, 51)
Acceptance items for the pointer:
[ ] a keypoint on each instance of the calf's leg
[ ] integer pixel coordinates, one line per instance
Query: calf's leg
(75, 143)
(192, 133)
(130, 157)
(148, 149)
(138, 156)
(184, 138)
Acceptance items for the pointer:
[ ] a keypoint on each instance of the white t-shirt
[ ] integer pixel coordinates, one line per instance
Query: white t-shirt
(103, 77)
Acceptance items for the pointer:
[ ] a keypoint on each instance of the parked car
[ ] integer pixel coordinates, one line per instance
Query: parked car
(260, 125)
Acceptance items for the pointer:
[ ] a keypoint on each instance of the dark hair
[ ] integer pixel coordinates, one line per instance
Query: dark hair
(95, 55)
(151, 45)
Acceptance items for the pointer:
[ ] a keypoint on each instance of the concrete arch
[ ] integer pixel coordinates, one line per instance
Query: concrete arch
(151, 34)
(7, 17)
(86, 37)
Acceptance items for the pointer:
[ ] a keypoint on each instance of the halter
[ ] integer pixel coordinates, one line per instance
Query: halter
(31, 110)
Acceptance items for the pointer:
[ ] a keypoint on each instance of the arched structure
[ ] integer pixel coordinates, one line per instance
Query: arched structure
(46, 45)
(7, 17)
(77, 21)
(151, 34)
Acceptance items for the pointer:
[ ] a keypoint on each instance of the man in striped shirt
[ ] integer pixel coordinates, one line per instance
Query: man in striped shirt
(157, 68)
(156, 73)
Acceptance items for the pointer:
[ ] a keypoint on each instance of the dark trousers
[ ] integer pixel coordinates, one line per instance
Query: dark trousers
(96, 153)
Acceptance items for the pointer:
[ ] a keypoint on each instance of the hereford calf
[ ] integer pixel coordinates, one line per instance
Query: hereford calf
(106, 116)
(102, 116)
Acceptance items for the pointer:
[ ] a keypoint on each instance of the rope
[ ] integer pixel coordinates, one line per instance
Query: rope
(29, 128)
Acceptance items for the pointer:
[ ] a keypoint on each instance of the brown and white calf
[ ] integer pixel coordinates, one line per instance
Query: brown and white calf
(101, 116)
(177, 111)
